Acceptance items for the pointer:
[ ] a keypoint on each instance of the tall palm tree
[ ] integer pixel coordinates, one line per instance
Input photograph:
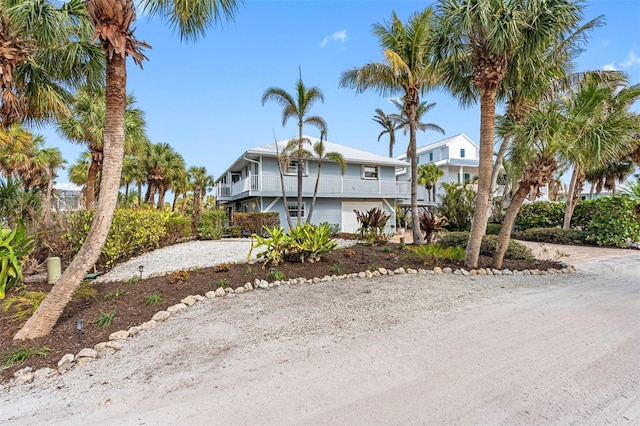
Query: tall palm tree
(421, 109)
(428, 175)
(474, 45)
(161, 163)
(390, 125)
(45, 163)
(322, 155)
(45, 52)
(603, 129)
(406, 71)
(112, 20)
(201, 182)
(86, 126)
(297, 106)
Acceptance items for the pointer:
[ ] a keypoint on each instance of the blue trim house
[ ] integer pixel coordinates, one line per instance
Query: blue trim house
(252, 184)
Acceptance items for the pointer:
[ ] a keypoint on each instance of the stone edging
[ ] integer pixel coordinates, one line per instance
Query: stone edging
(102, 349)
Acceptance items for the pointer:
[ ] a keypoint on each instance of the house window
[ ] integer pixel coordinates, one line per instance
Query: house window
(467, 178)
(461, 152)
(292, 168)
(431, 157)
(293, 209)
(370, 172)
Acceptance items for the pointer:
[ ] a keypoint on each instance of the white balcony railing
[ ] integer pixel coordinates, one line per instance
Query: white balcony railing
(261, 184)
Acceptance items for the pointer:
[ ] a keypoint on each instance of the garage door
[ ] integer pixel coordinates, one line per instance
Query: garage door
(349, 220)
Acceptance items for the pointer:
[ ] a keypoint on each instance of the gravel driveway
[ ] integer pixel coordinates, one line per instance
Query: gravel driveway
(554, 349)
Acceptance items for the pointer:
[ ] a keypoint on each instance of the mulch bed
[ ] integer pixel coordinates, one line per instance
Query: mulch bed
(132, 310)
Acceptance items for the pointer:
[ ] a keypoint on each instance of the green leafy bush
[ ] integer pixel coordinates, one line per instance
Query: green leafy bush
(493, 228)
(234, 231)
(178, 229)
(613, 222)
(541, 214)
(15, 245)
(22, 354)
(457, 205)
(132, 232)
(372, 224)
(552, 235)
(515, 250)
(211, 224)
(254, 223)
(23, 305)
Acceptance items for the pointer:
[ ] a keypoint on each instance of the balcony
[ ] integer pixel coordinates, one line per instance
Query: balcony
(269, 185)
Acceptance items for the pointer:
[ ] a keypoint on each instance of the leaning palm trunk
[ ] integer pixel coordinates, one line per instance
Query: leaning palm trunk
(50, 310)
(315, 193)
(496, 166)
(480, 216)
(571, 197)
(504, 237)
(46, 201)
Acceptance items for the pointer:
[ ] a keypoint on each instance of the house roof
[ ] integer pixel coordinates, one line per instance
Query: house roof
(351, 155)
(438, 144)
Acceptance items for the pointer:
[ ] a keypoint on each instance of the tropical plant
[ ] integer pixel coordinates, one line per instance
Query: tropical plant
(433, 254)
(309, 242)
(431, 224)
(474, 45)
(372, 223)
(200, 183)
(322, 155)
(162, 165)
(113, 294)
(428, 175)
(390, 124)
(112, 20)
(105, 319)
(297, 106)
(178, 277)
(276, 244)
(407, 71)
(20, 355)
(85, 126)
(154, 299)
(276, 275)
(46, 52)
(456, 204)
(23, 305)
(14, 246)
(223, 283)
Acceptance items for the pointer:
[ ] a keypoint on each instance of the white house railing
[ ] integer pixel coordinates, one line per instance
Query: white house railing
(264, 183)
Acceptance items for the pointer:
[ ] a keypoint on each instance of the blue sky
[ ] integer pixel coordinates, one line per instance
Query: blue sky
(204, 98)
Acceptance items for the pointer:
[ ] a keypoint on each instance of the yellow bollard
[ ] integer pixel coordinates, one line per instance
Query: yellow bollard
(53, 269)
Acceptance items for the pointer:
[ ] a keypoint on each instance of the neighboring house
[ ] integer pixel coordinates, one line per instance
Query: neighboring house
(252, 184)
(67, 196)
(457, 156)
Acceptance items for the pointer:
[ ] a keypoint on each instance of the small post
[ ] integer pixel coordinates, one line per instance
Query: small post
(402, 241)
(53, 269)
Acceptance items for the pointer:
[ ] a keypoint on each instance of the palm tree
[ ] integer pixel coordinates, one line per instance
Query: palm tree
(162, 164)
(46, 51)
(428, 175)
(605, 177)
(201, 182)
(421, 109)
(536, 143)
(407, 71)
(474, 45)
(602, 128)
(390, 125)
(322, 155)
(298, 107)
(112, 20)
(86, 126)
(78, 173)
(45, 162)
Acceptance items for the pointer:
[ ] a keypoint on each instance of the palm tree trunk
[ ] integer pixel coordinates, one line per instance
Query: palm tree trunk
(299, 218)
(392, 142)
(161, 192)
(50, 310)
(496, 166)
(139, 193)
(46, 201)
(502, 243)
(315, 193)
(570, 205)
(479, 224)
(415, 224)
(92, 175)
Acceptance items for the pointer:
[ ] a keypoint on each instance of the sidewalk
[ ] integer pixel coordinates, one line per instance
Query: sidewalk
(577, 255)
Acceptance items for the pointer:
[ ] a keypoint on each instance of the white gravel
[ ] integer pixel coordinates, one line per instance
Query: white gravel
(185, 256)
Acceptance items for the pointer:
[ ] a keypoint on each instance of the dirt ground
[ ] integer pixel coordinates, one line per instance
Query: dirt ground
(555, 349)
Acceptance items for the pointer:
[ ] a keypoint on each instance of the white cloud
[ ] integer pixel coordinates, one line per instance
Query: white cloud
(609, 67)
(340, 36)
(632, 60)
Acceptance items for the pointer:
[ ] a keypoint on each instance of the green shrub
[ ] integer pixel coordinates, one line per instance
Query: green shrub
(254, 223)
(457, 205)
(21, 355)
(372, 224)
(211, 224)
(178, 229)
(493, 228)
(541, 214)
(515, 250)
(154, 299)
(14, 247)
(433, 255)
(105, 319)
(613, 221)
(132, 232)
(552, 235)
(23, 305)
(234, 231)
